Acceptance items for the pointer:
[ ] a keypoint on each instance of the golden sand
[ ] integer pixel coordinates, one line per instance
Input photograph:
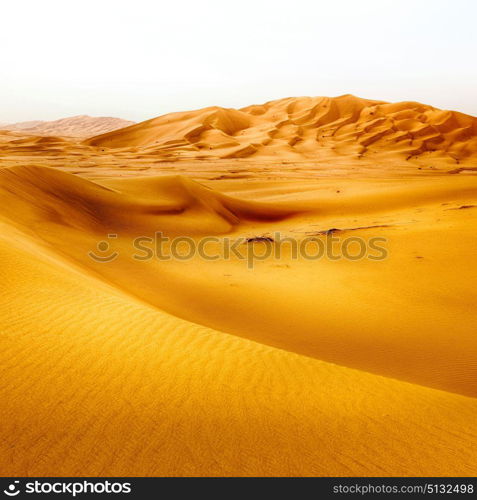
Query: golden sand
(195, 367)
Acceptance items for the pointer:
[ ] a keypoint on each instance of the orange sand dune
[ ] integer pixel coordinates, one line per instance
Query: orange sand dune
(305, 127)
(421, 347)
(74, 126)
(290, 366)
(295, 137)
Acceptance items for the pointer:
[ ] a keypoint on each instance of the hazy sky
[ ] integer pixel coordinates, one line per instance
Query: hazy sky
(137, 59)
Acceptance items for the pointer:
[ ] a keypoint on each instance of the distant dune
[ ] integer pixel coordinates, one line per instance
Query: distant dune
(303, 128)
(75, 126)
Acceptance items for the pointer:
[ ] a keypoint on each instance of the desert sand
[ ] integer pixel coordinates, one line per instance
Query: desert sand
(203, 368)
(74, 126)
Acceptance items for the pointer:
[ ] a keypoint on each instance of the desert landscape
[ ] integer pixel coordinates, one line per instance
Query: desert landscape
(114, 366)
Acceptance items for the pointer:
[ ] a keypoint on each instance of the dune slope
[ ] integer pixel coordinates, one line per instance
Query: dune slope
(96, 383)
(430, 344)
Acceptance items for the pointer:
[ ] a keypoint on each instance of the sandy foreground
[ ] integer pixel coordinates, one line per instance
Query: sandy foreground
(292, 366)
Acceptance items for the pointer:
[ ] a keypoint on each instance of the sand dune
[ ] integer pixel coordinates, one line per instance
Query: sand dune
(296, 366)
(305, 127)
(74, 126)
(294, 137)
(420, 348)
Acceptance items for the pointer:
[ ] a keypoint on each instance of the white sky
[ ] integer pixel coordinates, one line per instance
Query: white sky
(138, 59)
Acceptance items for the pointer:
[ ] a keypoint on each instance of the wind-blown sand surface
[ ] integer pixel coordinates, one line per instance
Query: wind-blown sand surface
(195, 367)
